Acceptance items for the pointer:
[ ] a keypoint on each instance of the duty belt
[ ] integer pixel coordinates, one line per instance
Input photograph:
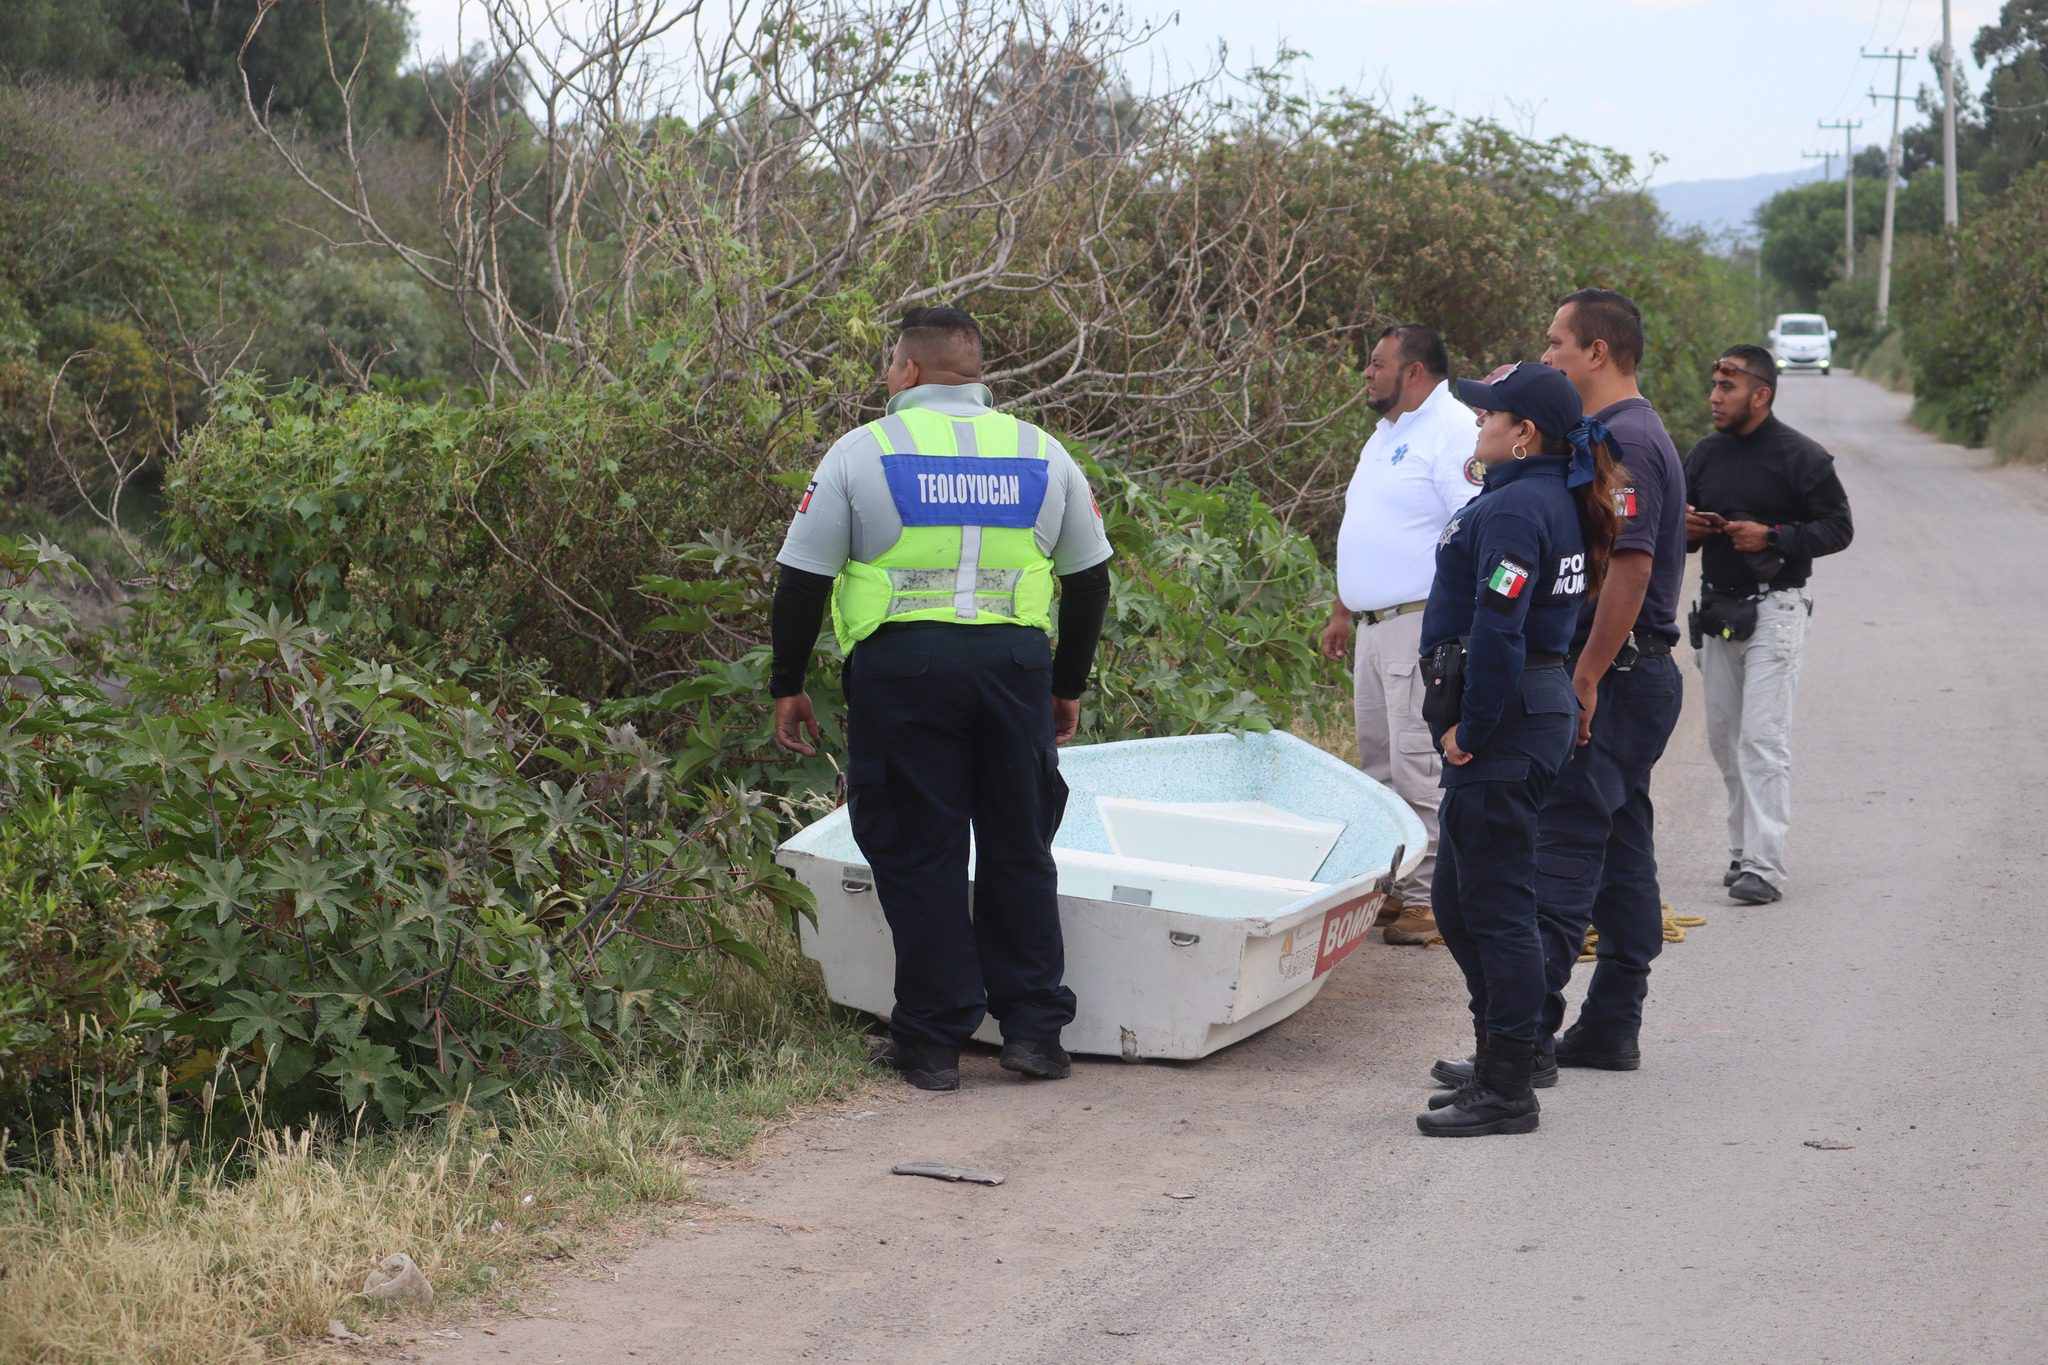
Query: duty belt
(1534, 661)
(1633, 651)
(1373, 618)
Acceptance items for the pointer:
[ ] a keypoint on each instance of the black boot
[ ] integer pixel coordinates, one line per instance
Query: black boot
(926, 1066)
(1042, 1058)
(1457, 1071)
(1577, 1047)
(1500, 1098)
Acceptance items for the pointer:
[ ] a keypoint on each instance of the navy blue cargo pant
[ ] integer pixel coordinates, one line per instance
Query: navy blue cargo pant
(1484, 894)
(950, 726)
(1596, 859)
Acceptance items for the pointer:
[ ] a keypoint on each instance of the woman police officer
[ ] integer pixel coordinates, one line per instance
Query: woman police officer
(1513, 570)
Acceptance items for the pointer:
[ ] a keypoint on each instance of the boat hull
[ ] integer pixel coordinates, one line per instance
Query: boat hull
(1153, 979)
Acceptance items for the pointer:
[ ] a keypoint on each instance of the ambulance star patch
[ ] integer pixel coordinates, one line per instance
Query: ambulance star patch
(1475, 471)
(1625, 502)
(1505, 585)
(805, 505)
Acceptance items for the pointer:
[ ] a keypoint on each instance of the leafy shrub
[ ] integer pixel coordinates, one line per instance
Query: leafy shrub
(367, 890)
(1851, 309)
(1214, 615)
(345, 318)
(77, 944)
(1976, 311)
(497, 543)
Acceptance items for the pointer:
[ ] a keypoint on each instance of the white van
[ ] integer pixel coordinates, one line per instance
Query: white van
(1803, 341)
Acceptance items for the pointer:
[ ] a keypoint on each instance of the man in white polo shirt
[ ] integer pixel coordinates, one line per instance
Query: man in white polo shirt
(1417, 470)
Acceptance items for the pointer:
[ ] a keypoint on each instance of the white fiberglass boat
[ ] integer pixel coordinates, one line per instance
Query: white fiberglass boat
(1208, 885)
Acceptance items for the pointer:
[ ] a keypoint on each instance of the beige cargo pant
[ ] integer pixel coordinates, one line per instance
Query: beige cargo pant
(1394, 746)
(1750, 686)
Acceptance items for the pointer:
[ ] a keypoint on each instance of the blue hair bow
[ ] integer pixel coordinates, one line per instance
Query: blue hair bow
(1590, 432)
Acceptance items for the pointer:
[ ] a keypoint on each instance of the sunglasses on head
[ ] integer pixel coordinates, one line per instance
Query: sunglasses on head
(1725, 366)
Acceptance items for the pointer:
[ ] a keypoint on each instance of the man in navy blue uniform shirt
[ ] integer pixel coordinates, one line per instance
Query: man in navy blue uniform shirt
(1596, 857)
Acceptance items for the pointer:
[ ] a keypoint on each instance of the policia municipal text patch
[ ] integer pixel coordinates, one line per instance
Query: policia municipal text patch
(1506, 584)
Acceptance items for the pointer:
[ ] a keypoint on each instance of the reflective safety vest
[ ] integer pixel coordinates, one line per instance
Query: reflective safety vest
(969, 490)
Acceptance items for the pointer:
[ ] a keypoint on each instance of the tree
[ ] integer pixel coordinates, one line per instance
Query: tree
(2016, 93)
(75, 39)
(291, 58)
(1869, 164)
(1802, 233)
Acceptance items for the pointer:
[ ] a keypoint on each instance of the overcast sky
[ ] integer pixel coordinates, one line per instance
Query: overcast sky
(1718, 88)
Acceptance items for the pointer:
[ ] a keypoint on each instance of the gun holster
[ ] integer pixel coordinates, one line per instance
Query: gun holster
(1443, 683)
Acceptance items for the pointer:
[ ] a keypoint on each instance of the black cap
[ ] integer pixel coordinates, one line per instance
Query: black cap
(1530, 390)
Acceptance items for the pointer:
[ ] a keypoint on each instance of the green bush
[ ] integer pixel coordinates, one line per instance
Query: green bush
(500, 543)
(364, 890)
(1214, 616)
(1976, 311)
(77, 955)
(1851, 309)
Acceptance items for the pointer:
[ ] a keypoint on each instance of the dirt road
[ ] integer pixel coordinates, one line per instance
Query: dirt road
(1891, 1009)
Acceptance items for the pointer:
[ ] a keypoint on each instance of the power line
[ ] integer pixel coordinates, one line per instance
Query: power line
(1904, 19)
(1876, 18)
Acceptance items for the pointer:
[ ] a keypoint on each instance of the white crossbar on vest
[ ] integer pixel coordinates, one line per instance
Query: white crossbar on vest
(966, 576)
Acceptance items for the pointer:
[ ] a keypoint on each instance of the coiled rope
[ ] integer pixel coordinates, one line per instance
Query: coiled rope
(1675, 926)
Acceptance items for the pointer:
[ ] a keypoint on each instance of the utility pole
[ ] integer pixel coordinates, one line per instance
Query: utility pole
(1891, 173)
(1948, 120)
(1848, 128)
(1827, 171)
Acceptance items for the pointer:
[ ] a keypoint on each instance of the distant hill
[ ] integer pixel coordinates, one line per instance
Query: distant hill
(1724, 206)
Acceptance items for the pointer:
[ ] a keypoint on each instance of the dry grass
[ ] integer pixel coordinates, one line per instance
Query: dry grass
(2020, 431)
(126, 1253)
(1886, 364)
(1332, 728)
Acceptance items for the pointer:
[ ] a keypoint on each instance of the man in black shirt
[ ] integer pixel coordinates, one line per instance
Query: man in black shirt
(1763, 503)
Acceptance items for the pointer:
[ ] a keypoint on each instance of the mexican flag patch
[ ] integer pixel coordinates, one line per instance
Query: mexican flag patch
(1505, 585)
(1625, 502)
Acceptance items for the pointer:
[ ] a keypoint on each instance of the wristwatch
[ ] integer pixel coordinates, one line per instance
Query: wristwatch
(1771, 539)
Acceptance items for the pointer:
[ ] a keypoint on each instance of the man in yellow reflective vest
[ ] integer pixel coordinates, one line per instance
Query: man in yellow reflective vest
(935, 535)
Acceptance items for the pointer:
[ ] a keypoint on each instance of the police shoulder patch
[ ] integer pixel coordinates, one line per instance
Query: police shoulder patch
(1506, 584)
(1475, 471)
(1625, 502)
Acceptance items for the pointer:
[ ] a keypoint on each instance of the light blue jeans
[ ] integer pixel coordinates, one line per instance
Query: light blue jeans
(1749, 687)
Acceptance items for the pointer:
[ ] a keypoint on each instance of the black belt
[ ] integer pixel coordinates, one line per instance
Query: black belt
(1644, 647)
(1535, 661)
